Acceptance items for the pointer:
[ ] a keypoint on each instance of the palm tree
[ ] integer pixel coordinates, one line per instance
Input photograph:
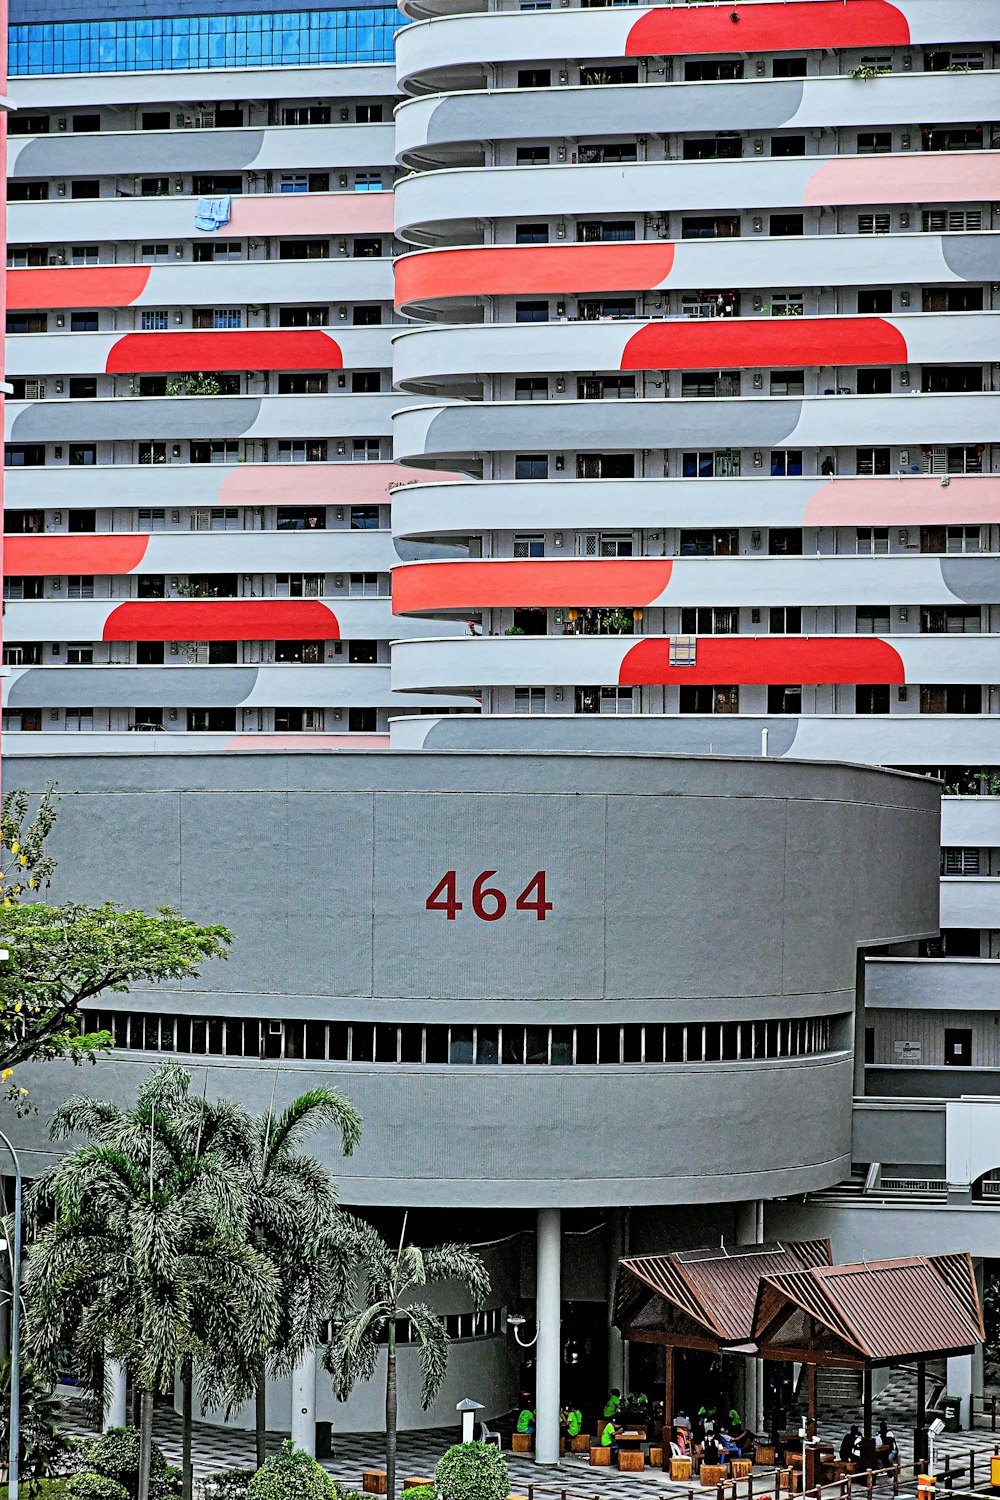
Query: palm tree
(388, 1280)
(145, 1260)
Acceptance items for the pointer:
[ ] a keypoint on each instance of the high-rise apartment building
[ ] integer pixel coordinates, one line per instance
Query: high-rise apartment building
(199, 319)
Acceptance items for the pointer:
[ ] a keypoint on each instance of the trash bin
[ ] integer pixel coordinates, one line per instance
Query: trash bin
(951, 1410)
(324, 1439)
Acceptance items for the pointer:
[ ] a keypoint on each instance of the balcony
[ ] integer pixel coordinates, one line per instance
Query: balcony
(212, 417)
(960, 984)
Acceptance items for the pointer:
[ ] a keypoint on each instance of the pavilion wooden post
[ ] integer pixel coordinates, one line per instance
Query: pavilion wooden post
(809, 1464)
(668, 1404)
(920, 1453)
(867, 1441)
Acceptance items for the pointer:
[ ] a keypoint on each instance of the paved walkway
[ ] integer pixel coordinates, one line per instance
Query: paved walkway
(221, 1447)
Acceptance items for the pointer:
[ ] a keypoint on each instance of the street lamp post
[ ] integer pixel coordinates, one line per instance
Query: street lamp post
(15, 1333)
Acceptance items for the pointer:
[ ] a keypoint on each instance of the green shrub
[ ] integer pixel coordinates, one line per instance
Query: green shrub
(421, 1492)
(229, 1484)
(79, 1455)
(116, 1456)
(472, 1471)
(291, 1474)
(96, 1487)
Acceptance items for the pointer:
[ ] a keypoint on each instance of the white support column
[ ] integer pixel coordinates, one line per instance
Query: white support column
(750, 1231)
(616, 1344)
(978, 1370)
(303, 1424)
(115, 1389)
(960, 1383)
(548, 1295)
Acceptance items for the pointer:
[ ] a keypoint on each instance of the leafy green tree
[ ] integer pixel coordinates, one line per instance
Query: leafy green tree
(144, 1259)
(387, 1282)
(25, 863)
(43, 1443)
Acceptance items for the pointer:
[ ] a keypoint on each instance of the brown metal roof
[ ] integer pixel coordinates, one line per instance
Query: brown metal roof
(706, 1295)
(870, 1313)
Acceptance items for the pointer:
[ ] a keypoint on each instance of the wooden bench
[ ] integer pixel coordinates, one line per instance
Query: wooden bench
(766, 1454)
(581, 1443)
(631, 1460)
(521, 1442)
(600, 1458)
(741, 1468)
(373, 1482)
(712, 1475)
(655, 1457)
(680, 1470)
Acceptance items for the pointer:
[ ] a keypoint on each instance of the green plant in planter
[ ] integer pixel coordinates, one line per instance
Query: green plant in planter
(291, 1474)
(416, 1492)
(472, 1471)
(513, 630)
(619, 621)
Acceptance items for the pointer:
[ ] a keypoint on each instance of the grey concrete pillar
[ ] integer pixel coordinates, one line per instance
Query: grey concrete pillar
(616, 1344)
(750, 1231)
(115, 1388)
(960, 1383)
(978, 1370)
(303, 1424)
(548, 1294)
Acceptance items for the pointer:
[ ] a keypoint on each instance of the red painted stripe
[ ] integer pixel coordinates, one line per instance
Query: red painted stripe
(224, 349)
(630, 582)
(222, 620)
(73, 286)
(34, 556)
(477, 272)
(768, 27)
(734, 659)
(721, 342)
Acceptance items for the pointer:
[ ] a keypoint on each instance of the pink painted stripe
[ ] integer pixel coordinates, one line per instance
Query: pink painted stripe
(310, 484)
(311, 213)
(933, 177)
(905, 502)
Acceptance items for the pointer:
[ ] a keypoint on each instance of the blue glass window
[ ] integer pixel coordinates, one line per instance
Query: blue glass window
(169, 42)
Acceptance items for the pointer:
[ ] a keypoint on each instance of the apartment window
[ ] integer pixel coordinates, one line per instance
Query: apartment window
(366, 317)
(787, 305)
(874, 142)
(529, 700)
(785, 224)
(529, 544)
(312, 384)
(710, 227)
(219, 250)
(150, 586)
(534, 78)
(88, 189)
(963, 539)
(606, 151)
(784, 698)
(151, 519)
(80, 653)
(363, 585)
(23, 522)
(27, 192)
(80, 586)
(952, 378)
(531, 312)
(874, 382)
(872, 540)
(20, 124)
(960, 460)
(301, 517)
(300, 585)
(303, 249)
(701, 699)
(874, 223)
(953, 299)
(82, 387)
(152, 453)
(943, 621)
(608, 74)
(709, 383)
(713, 70)
(784, 541)
(875, 300)
(531, 234)
(217, 317)
(871, 619)
(368, 182)
(211, 720)
(24, 455)
(17, 588)
(79, 720)
(953, 138)
(871, 698)
(224, 518)
(26, 654)
(21, 322)
(710, 620)
(83, 322)
(532, 156)
(789, 67)
(706, 543)
(306, 114)
(367, 249)
(155, 119)
(217, 182)
(368, 114)
(871, 461)
(303, 317)
(300, 653)
(362, 720)
(362, 653)
(960, 861)
(28, 255)
(605, 466)
(531, 466)
(785, 619)
(606, 388)
(302, 451)
(605, 230)
(710, 464)
(366, 450)
(788, 145)
(724, 146)
(154, 187)
(787, 382)
(364, 518)
(951, 698)
(154, 319)
(940, 60)
(154, 252)
(531, 388)
(304, 182)
(786, 463)
(84, 255)
(215, 451)
(594, 308)
(81, 455)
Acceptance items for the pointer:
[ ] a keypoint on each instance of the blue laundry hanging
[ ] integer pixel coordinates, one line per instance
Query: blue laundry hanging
(212, 213)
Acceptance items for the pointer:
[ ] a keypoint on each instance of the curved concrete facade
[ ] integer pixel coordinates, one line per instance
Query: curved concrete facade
(687, 896)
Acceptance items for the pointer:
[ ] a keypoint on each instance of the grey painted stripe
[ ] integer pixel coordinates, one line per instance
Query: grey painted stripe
(90, 421)
(126, 687)
(974, 257)
(730, 736)
(548, 425)
(574, 112)
(166, 152)
(974, 579)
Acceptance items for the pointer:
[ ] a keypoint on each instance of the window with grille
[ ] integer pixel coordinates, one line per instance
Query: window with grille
(604, 229)
(529, 700)
(939, 620)
(616, 700)
(872, 619)
(704, 620)
(875, 223)
(153, 319)
(872, 540)
(959, 861)
(872, 461)
(529, 545)
(951, 220)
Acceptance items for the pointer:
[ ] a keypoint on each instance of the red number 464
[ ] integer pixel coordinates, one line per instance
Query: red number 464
(488, 901)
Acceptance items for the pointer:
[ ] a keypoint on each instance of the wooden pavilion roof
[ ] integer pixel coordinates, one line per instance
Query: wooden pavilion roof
(873, 1313)
(703, 1299)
